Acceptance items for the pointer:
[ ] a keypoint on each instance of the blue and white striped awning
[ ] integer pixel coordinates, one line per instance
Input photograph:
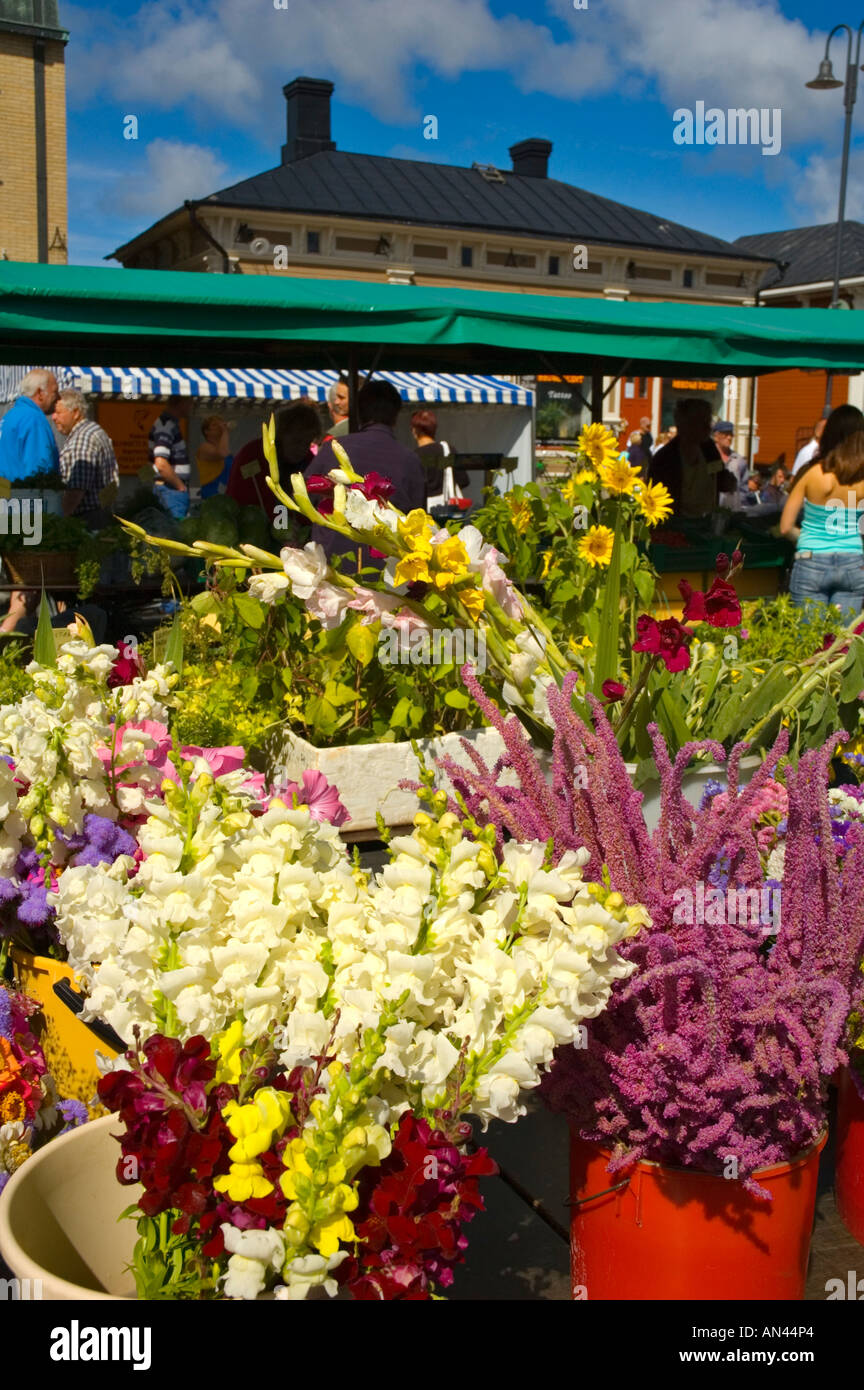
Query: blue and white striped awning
(269, 384)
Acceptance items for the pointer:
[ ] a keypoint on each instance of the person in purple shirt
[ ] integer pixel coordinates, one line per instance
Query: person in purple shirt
(373, 448)
(27, 443)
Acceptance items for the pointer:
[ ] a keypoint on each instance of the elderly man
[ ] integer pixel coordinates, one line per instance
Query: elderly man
(724, 433)
(27, 443)
(87, 463)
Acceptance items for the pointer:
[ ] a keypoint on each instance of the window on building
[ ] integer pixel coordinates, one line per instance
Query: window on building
(467, 257)
(688, 279)
(362, 245)
(313, 243)
(554, 265)
(430, 251)
(642, 386)
(514, 260)
(648, 272)
(719, 277)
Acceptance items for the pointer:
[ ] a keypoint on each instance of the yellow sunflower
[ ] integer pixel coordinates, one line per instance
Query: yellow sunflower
(655, 503)
(598, 444)
(520, 515)
(596, 545)
(618, 475)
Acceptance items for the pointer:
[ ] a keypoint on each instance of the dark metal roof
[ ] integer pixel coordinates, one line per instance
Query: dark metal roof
(809, 252)
(336, 183)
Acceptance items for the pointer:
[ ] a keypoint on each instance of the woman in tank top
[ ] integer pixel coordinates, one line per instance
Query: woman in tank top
(829, 560)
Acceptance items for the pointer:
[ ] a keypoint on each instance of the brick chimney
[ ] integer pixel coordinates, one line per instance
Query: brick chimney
(531, 158)
(308, 102)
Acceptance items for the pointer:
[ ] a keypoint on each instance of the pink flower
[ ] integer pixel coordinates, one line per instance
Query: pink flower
(372, 604)
(321, 796)
(327, 603)
(219, 760)
(320, 490)
(496, 583)
(405, 621)
(614, 691)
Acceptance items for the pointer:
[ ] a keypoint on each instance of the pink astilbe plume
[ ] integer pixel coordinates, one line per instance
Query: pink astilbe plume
(720, 1046)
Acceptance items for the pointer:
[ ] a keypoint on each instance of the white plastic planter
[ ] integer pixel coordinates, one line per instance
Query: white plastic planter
(368, 774)
(59, 1218)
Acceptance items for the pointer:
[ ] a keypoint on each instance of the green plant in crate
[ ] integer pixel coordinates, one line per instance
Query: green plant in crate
(251, 668)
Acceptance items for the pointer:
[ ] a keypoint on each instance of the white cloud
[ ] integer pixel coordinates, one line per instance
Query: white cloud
(174, 171)
(817, 189)
(227, 59)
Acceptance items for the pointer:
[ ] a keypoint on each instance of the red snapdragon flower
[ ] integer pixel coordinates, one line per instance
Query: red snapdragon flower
(667, 639)
(719, 606)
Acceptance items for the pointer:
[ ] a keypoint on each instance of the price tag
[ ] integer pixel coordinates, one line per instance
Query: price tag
(251, 469)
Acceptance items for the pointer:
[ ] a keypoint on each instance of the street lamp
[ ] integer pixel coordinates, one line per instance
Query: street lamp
(826, 81)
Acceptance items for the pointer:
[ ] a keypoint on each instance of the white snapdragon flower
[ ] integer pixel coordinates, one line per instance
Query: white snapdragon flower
(309, 1272)
(253, 1255)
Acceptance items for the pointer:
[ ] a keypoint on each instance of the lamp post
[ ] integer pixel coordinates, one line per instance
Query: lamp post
(825, 81)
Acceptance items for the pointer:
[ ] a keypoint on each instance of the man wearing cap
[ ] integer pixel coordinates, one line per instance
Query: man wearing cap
(723, 433)
(171, 463)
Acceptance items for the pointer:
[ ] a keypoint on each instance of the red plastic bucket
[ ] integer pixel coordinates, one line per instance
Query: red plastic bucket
(673, 1234)
(849, 1172)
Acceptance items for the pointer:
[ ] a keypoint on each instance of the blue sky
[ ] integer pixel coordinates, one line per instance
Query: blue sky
(204, 79)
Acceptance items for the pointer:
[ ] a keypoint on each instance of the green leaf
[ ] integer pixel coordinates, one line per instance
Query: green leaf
(361, 643)
(852, 682)
(174, 648)
(401, 714)
(204, 603)
(645, 583)
(457, 699)
(606, 664)
(251, 610)
(44, 650)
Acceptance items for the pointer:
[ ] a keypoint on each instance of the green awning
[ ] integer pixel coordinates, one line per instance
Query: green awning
(83, 315)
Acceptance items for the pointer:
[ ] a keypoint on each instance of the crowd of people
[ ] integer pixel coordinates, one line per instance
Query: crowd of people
(819, 504)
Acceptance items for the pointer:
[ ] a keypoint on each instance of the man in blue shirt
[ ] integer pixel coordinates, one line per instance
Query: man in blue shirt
(27, 443)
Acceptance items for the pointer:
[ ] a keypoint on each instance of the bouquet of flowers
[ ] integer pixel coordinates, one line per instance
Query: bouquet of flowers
(308, 1040)
(30, 1109)
(646, 668)
(720, 1046)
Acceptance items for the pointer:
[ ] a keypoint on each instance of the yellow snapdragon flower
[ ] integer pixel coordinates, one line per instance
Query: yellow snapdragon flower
(473, 601)
(254, 1127)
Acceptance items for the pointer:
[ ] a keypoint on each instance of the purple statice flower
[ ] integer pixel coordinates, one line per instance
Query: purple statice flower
(4, 1178)
(712, 788)
(74, 1113)
(715, 1048)
(5, 1014)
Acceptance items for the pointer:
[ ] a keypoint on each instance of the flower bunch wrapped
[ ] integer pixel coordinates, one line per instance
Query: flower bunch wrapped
(30, 1109)
(721, 1046)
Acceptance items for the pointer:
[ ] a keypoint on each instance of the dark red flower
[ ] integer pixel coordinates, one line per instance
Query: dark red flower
(667, 639)
(320, 490)
(422, 1195)
(128, 664)
(719, 607)
(613, 691)
(376, 487)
